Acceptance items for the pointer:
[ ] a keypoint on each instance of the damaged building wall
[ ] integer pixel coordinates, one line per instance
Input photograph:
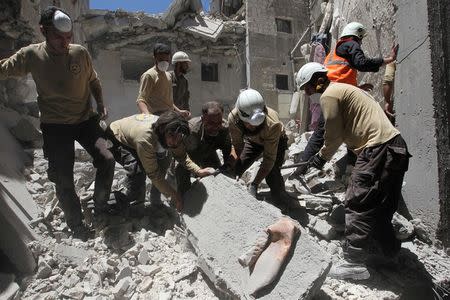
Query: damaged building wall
(416, 110)
(274, 27)
(122, 43)
(439, 12)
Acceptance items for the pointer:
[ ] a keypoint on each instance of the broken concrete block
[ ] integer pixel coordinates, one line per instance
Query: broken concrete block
(145, 285)
(149, 246)
(123, 273)
(202, 26)
(76, 293)
(44, 270)
(71, 254)
(121, 288)
(185, 273)
(35, 177)
(317, 204)
(143, 257)
(422, 231)
(402, 227)
(147, 270)
(165, 296)
(222, 219)
(133, 251)
(322, 228)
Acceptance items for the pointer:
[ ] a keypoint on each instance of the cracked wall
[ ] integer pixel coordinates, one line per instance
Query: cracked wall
(439, 27)
(422, 112)
(269, 47)
(122, 47)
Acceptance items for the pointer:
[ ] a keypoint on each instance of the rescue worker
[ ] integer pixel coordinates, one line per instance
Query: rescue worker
(65, 79)
(209, 133)
(141, 144)
(343, 64)
(181, 64)
(347, 58)
(256, 130)
(353, 117)
(155, 91)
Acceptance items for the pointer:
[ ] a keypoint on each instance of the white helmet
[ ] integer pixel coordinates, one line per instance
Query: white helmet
(250, 105)
(306, 72)
(354, 29)
(180, 56)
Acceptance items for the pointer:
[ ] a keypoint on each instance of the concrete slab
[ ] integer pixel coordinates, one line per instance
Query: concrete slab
(222, 220)
(203, 26)
(72, 254)
(17, 207)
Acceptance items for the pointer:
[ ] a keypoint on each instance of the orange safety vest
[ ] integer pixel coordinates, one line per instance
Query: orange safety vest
(339, 69)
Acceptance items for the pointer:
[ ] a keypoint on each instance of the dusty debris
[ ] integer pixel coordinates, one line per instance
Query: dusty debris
(403, 228)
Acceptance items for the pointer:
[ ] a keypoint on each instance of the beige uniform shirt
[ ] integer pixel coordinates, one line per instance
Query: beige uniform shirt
(268, 137)
(353, 117)
(136, 132)
(62, 81)
(156, 91)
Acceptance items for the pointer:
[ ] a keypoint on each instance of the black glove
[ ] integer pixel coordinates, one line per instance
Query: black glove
(300, 171)
(252, 189)
(317, 162)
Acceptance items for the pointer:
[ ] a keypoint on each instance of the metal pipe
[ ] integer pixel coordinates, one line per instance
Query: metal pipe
(294, 165)
(291, 54)
(300, 40)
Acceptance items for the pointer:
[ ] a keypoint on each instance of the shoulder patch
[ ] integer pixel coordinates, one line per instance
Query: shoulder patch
(75, 68)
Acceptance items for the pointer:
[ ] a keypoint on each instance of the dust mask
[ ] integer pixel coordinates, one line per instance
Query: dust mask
(163, 65)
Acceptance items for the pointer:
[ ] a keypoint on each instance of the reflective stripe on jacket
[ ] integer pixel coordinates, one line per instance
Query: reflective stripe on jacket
(339, 69)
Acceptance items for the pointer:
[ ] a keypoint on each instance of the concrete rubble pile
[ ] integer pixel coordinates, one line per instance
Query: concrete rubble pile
(148, 256)
(142, 256)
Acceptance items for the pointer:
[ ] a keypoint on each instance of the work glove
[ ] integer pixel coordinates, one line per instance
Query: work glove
(253, 189)
(317, 162)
